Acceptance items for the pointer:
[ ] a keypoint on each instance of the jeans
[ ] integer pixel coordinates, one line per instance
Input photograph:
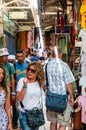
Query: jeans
(23, 122)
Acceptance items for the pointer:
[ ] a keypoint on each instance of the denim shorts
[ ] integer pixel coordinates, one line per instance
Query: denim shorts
(62, 119)
(23, 122)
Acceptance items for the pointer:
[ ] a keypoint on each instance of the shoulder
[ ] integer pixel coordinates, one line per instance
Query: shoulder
(21, 79)
(9, 66)
(20, 82)
(64, 64)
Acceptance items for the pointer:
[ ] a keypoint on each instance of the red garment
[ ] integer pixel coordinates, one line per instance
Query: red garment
(61, 24)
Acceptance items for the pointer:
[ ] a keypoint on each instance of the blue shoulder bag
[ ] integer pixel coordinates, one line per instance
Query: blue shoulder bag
(55, 102)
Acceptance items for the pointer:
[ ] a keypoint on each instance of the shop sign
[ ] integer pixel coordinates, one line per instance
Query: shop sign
(18, 15)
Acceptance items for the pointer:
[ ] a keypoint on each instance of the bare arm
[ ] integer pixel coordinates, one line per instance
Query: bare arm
(13, 82)
(70, 90)
(20, 95)
(8, 109)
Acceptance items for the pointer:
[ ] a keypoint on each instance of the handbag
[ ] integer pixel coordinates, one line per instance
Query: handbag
(35, 117)
(56, 102)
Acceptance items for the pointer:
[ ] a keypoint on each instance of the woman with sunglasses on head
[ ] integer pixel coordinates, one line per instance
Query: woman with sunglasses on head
(5, 111)
(29, 92)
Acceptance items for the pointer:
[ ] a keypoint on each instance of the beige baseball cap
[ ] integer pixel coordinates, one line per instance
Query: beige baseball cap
(3, 52)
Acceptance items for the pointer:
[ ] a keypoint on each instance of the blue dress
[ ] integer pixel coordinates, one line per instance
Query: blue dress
(3, 114)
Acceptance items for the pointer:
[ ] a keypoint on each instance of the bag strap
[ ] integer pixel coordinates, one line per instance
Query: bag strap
(47, 84)
(22, 106)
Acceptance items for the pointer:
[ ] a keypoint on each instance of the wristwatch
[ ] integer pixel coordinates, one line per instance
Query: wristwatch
(13, 93)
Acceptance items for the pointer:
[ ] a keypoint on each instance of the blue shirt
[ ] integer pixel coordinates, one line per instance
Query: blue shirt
(20, 70)
(34, 58)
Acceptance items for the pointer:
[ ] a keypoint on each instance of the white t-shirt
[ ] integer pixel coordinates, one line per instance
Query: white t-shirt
(82, 34)
(82, 82)
(33, 95)
(83, 58)
(83, 69)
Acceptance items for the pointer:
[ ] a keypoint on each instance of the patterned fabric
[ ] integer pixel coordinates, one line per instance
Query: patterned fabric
(59, 74)
(3, 115)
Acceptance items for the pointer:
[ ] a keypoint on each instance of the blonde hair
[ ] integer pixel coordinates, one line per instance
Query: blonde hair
(39, 70)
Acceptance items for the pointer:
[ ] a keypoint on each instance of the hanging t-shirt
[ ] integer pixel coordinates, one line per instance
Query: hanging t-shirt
(83, 57)
(82, 34)
(83, 69)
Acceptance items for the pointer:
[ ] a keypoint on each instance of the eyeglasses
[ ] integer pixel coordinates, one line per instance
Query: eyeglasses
(31, 70)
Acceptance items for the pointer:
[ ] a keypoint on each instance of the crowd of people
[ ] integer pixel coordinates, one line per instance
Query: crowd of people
(22, 81)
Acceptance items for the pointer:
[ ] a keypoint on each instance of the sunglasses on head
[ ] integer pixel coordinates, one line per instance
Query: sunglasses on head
(31, 70)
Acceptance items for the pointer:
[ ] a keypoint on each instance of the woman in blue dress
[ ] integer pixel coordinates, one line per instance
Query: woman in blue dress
(5, 111)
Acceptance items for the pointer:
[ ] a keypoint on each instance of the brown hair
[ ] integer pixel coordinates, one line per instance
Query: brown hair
(3, 83)
(39, 70)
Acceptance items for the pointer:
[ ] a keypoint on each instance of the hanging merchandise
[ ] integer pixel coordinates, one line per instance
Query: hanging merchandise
(36, 36)
(30, 38)
(83, 15)
(1, 41)
(58, 18)
(82, 34)
(76, 14)
(9, 42)
(84, 1)
(65, 19)
(62, 23)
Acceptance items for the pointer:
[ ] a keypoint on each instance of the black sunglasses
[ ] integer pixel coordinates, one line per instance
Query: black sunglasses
(31, 70)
